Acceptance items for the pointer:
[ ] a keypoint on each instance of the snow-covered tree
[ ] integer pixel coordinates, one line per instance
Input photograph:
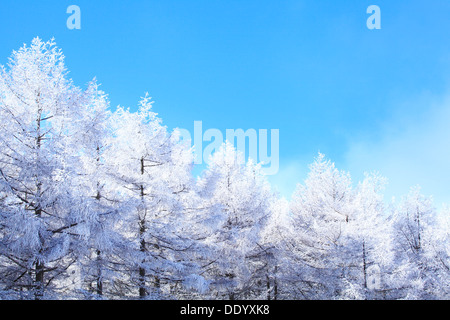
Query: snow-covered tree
(40, 137)
(414, 218)
(369, 236)
(153, 176)
(102, 242)
(438, 253)
(244, 198)
(320, 209)
(275, 238)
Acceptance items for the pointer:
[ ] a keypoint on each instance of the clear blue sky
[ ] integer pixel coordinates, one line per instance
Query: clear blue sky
(368, 99)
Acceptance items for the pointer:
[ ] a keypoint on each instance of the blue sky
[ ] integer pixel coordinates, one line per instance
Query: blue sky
(368, 99)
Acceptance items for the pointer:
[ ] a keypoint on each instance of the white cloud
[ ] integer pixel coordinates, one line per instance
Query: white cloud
(288, 176)
(413, 148)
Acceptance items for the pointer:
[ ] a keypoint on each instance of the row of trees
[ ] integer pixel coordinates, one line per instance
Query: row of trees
(97, 203)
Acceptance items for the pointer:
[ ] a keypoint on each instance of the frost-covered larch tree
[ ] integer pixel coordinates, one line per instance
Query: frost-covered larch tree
(369, 237)
(415, 222)
(99, 256)
(275, 236)
(438, 244)
(152, 175)
(317, 248)
(243, 197)
(40, 153)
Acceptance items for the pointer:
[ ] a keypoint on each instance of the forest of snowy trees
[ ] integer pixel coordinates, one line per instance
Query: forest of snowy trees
(101, 203)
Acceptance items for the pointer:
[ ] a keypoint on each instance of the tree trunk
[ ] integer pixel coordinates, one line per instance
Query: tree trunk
(99, 274)
(99, 254)
(418, 230)
(142, 289)
(39, 276)
(364, 264)
(275, 284)
(39, 281)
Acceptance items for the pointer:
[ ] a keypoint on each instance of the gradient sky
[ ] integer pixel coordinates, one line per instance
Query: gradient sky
(367, 99)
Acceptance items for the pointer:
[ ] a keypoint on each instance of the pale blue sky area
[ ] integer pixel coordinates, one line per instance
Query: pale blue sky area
(368, 99)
